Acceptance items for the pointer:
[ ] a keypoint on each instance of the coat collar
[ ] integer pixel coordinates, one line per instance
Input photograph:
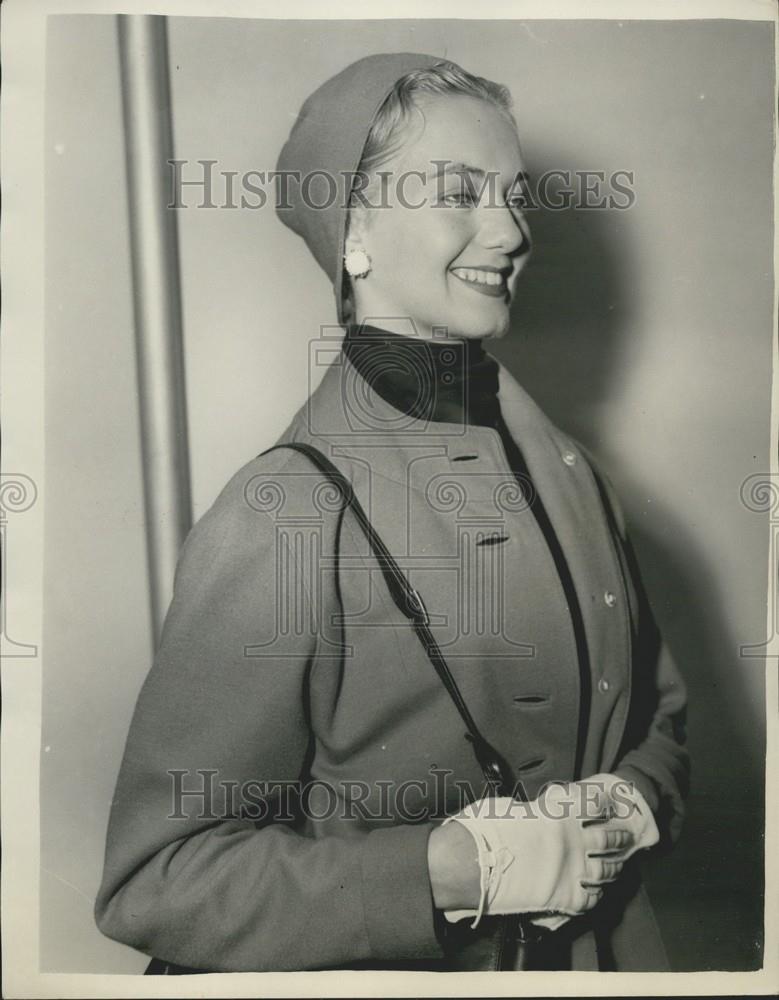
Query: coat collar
(344, 411)
(344, 408)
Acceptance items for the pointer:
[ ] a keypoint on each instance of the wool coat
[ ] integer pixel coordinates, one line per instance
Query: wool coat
(292, 747)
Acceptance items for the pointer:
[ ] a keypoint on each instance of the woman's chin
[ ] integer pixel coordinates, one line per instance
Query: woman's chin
(491, 327)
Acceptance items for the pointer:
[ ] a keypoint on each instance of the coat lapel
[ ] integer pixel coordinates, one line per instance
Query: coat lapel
(567, 487)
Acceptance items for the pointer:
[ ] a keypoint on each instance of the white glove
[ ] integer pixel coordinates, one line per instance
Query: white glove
(611, 795)
(622, 801)
(541, 856)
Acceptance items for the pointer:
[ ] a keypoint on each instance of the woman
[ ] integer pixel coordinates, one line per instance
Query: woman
(304, 781)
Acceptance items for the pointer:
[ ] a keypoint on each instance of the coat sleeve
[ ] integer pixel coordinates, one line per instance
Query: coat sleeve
(191, 878)
(653, 754)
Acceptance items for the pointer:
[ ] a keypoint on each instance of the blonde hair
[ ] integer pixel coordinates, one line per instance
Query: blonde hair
(386, 134)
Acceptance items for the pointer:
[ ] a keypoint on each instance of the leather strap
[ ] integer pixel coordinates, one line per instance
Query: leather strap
(493, 766)
(516, 935)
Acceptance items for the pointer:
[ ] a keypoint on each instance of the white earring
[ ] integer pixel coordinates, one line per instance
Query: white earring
(357, 263)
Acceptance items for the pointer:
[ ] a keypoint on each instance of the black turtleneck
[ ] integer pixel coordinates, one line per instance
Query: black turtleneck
(443, 380)
(456, 381)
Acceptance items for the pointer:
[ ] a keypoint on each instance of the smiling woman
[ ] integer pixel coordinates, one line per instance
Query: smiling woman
(410, 708)
(429, 257)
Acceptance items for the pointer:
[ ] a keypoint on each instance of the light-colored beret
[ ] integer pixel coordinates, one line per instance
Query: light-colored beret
(326, 144)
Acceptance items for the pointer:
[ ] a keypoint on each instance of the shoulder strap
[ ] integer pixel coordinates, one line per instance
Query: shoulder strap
(409, 602)
(403, 594)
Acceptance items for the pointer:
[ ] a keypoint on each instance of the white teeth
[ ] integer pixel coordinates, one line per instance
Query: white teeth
(479, 276)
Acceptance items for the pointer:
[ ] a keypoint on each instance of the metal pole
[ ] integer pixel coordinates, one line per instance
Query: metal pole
(143, 57)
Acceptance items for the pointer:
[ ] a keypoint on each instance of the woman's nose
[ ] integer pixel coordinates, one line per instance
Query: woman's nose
(501, 230)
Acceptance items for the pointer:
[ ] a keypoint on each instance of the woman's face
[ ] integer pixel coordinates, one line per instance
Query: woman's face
(445, 252)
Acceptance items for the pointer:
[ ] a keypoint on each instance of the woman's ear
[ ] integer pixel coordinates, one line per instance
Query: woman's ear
(356, 229)
(353, 243)
(357, 260)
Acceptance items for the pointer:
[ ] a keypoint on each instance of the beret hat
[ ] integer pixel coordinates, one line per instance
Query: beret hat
(324, 150)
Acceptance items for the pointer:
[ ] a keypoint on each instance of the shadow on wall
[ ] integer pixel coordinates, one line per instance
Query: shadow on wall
(708, 892)
(571, 310)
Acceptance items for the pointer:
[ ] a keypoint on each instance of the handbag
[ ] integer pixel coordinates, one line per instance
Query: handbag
(517, 936)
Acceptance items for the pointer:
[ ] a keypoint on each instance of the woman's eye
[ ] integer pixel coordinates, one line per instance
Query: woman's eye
(458, 199)
(517, 202)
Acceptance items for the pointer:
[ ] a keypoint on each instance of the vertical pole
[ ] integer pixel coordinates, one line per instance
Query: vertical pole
(157, 301)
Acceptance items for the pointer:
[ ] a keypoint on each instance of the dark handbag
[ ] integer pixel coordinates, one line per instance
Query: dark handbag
(517, 935)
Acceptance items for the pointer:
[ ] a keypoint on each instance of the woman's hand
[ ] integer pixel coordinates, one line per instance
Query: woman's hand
(608, 794)
(542, 856)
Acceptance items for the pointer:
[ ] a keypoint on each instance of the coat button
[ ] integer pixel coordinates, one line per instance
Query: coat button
(603, 685)
(610, 599)
(569, 458)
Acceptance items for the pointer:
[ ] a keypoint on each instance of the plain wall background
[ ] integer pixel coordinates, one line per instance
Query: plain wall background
(645, 333)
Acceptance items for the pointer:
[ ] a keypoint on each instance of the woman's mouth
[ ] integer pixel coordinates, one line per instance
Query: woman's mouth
(487, 281)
